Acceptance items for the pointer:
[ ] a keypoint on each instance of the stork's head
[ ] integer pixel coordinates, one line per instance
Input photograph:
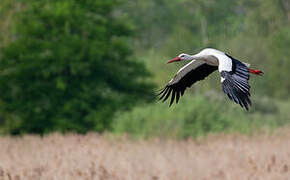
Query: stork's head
(181, 57)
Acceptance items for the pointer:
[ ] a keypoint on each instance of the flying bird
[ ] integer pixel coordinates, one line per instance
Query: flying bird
(234, 75)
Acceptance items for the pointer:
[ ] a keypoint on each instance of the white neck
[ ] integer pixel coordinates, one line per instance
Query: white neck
(196, 57)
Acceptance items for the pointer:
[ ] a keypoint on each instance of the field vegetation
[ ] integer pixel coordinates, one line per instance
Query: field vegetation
(91, 156)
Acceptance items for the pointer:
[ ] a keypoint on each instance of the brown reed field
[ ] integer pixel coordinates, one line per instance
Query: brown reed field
(102, 157)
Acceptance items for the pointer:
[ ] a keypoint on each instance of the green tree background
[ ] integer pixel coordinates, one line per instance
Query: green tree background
(69, 67)
(90, 65)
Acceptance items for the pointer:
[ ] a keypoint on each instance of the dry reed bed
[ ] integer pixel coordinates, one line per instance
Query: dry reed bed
(97, 157)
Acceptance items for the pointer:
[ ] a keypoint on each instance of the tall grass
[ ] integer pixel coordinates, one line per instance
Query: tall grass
(96, 157)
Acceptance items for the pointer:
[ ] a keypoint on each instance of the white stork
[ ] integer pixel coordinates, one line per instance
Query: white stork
(234, 75)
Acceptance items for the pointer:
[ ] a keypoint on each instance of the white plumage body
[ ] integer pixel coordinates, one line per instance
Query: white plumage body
(216, 58)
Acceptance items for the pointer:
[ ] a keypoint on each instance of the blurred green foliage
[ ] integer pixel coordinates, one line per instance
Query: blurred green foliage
(254, 31)
(69, 68)
(71, 65)
(198, 115)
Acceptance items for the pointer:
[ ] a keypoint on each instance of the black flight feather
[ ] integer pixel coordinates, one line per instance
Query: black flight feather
(236, 85)
(178, 88)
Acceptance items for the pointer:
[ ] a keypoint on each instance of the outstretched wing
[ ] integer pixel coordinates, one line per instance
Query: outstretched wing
(236, 83)
(185, 77)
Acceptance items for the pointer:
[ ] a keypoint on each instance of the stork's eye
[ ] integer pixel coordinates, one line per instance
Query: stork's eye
(182, 55)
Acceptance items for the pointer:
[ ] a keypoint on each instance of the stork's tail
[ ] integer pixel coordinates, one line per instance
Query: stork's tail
(256, 71)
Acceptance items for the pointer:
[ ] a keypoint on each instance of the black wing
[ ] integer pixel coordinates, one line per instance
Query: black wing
(183, 79)
(236, 84)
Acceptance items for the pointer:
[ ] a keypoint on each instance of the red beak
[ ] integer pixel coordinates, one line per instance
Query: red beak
(174, 60)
